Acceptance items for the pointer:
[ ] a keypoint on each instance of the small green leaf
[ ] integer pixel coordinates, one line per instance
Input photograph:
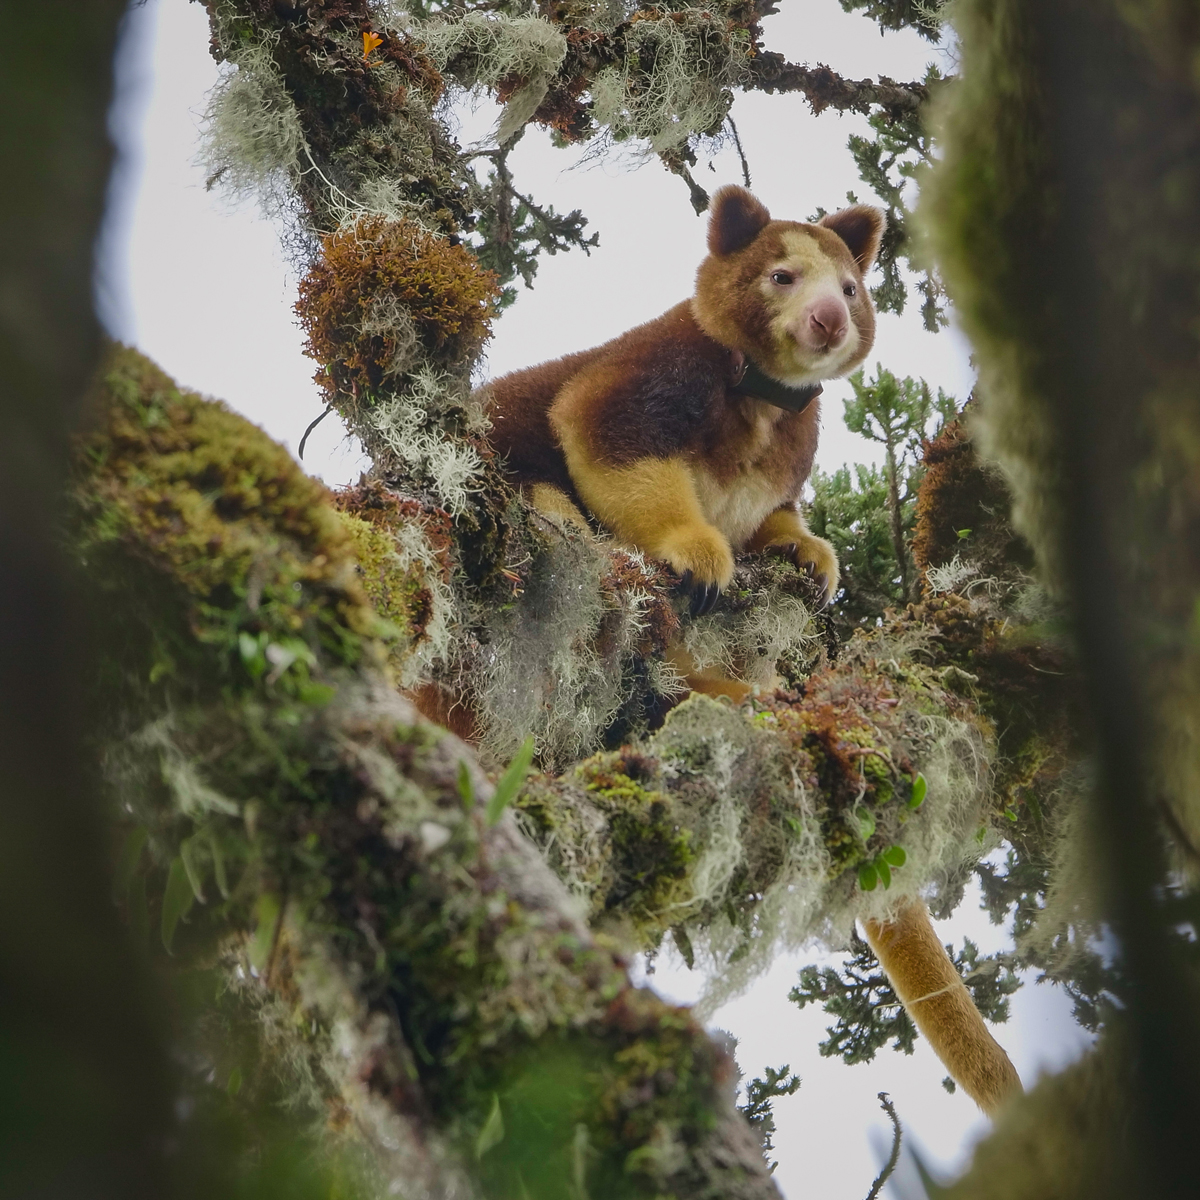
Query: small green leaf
(866, 824)
(510, 782)
(214, 844)
(195, 872)
(919, 788)
(466, 789)
(252, 650)
(267, 913)
(235, 1082)
(131, 855)
(868, 877)
(315, 695)
(1011, 814)
(794, 824)
(885, 872)
(492, 1133)
(177, 899)
(683, 944)
(895, 856)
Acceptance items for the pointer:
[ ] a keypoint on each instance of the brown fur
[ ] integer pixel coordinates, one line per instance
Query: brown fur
(936, 998)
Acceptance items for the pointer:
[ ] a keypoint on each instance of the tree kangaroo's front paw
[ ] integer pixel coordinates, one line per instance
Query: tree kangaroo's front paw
(704, 562)
(816, 557)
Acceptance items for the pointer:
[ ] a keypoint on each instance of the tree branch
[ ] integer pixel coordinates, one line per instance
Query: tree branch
(824, 88)
(391, 910)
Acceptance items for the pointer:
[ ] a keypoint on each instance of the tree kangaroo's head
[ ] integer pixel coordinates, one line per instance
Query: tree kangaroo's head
(789, 294)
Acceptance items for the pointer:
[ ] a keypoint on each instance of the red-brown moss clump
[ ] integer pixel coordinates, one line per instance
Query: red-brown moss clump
(442, 297)
(963, 506)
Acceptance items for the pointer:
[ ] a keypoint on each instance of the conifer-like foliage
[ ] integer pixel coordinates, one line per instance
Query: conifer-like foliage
(514, 231)
(925, 16)
(896, 414)
(889, 163)
(850, 509)
(759, 1110)
(870, 515)
(868, 1012)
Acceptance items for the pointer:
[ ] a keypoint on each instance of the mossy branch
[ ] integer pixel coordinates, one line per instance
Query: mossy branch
(430, 965)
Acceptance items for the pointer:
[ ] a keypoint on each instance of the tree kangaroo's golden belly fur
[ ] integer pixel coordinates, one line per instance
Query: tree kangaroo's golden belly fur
(748, 487)
(739, 506)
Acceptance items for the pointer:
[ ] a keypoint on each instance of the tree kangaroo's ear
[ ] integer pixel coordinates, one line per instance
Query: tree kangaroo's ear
(933, 994)
(861, 227)
(736, 220)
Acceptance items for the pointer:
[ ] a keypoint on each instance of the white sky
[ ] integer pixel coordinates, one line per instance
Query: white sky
(202, 287)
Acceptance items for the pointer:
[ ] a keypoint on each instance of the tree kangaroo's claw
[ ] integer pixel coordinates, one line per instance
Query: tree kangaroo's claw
(702, 595)
(704, 598)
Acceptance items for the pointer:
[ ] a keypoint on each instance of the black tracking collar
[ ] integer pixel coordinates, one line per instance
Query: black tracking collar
(755, 384)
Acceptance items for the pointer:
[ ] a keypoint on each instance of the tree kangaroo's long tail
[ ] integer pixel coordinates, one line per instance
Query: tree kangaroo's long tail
(938, 1001)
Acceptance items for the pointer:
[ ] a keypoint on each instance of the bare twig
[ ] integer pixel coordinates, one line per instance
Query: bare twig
(276, 933)
(312, 426)
(893, 1158)
(675, 163)
(737, 141)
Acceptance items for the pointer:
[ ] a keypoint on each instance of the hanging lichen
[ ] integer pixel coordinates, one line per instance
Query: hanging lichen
(675, 79)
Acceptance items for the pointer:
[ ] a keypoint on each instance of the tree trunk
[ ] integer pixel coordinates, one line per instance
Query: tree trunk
(1075, 269)
(84, 1090)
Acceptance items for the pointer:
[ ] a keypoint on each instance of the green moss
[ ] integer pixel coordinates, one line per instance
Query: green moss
(1072, 1137)
(396, 593)
(402, 548)
(878, 777)
(651, 850)
(852, 767)
(221, 529)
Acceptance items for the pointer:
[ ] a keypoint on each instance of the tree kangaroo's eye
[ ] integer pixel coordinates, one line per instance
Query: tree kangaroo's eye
(850, 290)
(783, 278)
